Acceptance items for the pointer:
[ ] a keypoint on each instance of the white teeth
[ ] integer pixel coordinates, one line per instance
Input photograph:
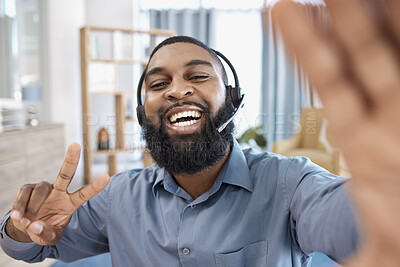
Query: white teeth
(185, 114)
(185, 123)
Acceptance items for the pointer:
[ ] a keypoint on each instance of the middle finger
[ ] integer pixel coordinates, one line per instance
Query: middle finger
(21, 201)
(38, 197)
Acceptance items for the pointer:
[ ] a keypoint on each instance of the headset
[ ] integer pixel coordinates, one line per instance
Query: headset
(235, 92)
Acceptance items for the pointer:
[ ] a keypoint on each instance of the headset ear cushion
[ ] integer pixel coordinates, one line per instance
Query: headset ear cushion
(235, 95)
(140, 114)
(238, 95)
(229, 91)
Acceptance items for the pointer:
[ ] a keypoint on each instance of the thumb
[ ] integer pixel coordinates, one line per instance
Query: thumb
(81, 196)
(42, 234)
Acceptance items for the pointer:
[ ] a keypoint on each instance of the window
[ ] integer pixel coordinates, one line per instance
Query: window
(20, 67)
(195, 4)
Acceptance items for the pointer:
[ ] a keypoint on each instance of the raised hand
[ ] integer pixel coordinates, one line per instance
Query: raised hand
(41, 211)
(356, 71)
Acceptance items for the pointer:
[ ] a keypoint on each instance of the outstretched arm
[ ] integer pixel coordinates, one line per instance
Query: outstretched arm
(356, 71)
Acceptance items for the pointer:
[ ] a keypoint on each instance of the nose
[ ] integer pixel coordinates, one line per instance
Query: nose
(179, 91)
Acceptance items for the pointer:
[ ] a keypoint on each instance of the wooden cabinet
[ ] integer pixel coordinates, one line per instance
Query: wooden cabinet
(110, 60)
(28, 156)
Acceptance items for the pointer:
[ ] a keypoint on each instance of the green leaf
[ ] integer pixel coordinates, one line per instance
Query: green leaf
(260, 140)
(252, 134)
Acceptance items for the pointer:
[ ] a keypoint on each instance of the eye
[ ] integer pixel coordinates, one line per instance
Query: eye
(158, 85)
(198, 77)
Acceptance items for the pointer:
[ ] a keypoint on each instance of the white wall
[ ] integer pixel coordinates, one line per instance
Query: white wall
(62, 20)
(115, 13)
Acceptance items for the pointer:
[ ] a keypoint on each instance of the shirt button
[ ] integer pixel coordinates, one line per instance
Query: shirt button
(186, 251)
(193, 206)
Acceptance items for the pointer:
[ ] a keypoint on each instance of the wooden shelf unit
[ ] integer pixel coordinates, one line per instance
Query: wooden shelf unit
(112, 90)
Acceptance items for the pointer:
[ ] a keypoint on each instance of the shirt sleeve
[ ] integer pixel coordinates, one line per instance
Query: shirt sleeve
(85, 235)
(322, 217)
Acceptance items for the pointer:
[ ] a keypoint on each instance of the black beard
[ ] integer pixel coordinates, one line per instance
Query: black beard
(190, 153)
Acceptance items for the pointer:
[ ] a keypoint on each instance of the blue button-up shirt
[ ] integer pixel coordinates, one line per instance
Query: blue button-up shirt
(263, 210)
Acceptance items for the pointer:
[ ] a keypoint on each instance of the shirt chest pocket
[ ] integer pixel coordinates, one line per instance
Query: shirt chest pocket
(253, 255)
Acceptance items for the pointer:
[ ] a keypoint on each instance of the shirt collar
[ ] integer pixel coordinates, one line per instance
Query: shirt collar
(160, 177)
(235, 171)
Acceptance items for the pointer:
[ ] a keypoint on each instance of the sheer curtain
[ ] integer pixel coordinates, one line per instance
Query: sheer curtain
(191, 22)
(285, 87)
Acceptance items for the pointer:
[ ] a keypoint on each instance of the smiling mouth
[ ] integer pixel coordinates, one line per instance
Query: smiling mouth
(185, 118)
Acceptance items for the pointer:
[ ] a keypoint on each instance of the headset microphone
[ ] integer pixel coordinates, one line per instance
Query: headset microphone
(222, 127)
(235, 92)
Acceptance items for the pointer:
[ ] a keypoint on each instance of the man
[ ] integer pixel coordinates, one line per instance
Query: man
(225, 208)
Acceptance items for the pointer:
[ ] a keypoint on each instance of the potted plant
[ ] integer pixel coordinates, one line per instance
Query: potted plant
(253, 137)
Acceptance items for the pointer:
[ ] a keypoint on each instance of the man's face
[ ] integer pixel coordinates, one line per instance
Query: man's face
(185, 103)
(177, 73)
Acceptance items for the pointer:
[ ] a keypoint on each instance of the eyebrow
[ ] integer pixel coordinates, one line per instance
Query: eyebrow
(193, 62)
(153, 71)
(198, 62)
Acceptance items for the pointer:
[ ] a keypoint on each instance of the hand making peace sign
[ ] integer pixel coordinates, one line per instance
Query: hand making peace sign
(41, 211)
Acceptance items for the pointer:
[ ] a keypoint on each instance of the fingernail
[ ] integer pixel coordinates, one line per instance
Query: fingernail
(25, 222)
(15, 215)
(53, 236)
(37, 228)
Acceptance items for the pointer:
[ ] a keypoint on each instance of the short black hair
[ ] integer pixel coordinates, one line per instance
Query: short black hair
(191, 40)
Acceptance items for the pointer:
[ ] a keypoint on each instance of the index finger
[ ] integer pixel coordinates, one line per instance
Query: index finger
(68, 168)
